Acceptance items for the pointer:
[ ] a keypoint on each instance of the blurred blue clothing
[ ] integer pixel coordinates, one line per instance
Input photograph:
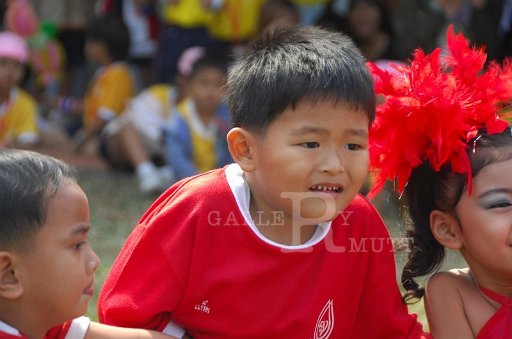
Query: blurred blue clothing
(179, 147)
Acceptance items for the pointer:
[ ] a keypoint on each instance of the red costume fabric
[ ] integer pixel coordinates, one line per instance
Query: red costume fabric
(500, 325)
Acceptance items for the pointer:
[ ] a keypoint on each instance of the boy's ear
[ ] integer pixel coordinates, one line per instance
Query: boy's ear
(446, 229)
(10, 284)
(241, 145)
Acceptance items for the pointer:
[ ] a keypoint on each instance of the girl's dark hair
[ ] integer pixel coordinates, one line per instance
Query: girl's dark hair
(27, 181)
(428, 190)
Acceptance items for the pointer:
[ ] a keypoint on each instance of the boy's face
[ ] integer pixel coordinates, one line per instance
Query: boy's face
(11, 72)
(310, 163)
(57, 273)
(207, 88)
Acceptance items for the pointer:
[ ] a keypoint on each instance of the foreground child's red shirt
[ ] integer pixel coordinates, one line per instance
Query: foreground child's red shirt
(197, 259)
(73, 329)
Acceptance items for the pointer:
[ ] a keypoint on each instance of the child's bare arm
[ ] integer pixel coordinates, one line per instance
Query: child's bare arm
(445, 309)
(101, 331)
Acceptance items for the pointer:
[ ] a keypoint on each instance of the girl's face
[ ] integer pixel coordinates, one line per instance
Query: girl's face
(11, 72)
(57, 273)
(486, 221)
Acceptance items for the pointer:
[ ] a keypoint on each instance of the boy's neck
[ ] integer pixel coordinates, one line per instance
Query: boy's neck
(280, 228)
(26, 322)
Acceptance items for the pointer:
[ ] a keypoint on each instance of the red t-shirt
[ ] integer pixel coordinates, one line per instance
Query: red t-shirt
(196, 258)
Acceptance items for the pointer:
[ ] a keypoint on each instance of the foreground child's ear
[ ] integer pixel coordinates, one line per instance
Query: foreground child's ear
(10, 285)
(241, 143)
(446, 229)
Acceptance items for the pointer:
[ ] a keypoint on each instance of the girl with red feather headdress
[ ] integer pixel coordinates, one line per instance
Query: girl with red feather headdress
(439, 135)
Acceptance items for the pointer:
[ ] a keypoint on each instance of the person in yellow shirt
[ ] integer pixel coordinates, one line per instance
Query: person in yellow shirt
(184, 26)
(236, 21)
(239, 22)
(134, 141)
(107, 44)
(18, 110)
(109, 91)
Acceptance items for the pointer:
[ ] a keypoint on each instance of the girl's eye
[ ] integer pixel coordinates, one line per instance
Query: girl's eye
(311, 144)
(501, 204)
(353, 147)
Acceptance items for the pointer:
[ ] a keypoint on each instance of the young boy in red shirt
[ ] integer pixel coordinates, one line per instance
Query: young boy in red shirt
(280, 244)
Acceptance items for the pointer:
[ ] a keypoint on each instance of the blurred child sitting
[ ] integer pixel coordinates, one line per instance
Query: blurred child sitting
(46, 263)
(195, 134)
(135, 139)
(18, 110)
(107, 45)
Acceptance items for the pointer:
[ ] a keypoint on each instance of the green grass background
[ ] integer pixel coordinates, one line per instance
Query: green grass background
(116, 205)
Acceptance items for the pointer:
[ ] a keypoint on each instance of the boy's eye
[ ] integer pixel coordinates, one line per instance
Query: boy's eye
(310, 144)
(78, 245)
(353, 147)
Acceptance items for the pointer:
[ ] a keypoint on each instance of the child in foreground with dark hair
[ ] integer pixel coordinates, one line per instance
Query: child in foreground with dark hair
(438, 133)
(46, 264)
(277, 245)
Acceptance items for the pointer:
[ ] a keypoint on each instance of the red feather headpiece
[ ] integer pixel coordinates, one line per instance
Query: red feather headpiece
(433, 109)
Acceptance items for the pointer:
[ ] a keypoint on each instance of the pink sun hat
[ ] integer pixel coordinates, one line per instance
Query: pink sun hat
(13, 46)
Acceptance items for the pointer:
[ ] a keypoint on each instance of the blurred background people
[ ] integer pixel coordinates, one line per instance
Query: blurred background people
(134, 140)
(195, 133)
(18, 109)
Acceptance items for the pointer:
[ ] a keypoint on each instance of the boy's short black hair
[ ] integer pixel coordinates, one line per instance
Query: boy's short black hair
(111, 30)
(300, 63)
(213, 58)
(27, 181)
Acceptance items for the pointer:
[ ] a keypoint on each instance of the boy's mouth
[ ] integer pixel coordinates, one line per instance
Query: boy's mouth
(326, 188)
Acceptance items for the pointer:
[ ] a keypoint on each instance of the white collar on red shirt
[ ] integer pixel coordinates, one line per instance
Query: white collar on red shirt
(8, 329)
(242, 193)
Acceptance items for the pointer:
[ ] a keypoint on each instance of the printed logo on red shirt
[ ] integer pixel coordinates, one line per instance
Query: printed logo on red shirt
(325, 322)
(203, 307)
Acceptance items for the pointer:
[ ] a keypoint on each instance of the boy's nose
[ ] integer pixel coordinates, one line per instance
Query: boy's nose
(93, 262)
(332, 162)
